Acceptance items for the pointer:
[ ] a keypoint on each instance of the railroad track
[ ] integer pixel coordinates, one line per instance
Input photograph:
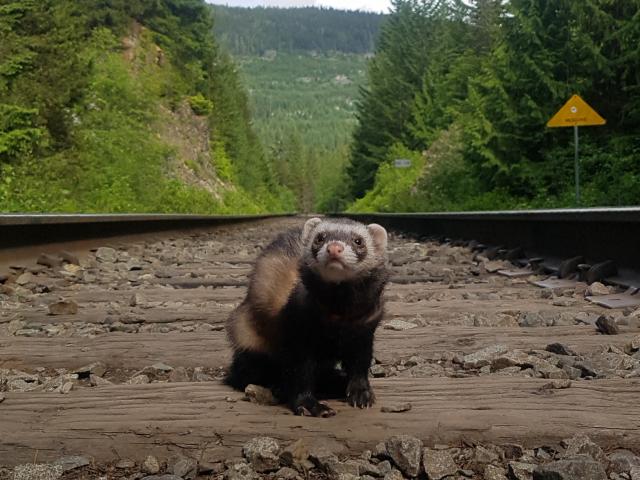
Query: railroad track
(114, 349)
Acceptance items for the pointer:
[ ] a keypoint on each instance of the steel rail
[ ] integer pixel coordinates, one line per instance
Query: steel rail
(597, 234)
(19, 230)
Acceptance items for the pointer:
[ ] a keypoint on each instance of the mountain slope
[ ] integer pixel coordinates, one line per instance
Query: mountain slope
(303, 67)
(125, 106)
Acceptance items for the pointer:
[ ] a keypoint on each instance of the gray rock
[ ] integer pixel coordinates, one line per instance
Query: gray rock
(484, 455)
(557, 385)
(581, 444)
(25, 278)
(579, 467)
(183, 467)
(512, 451)
(336, 470)
(559, 349)
(597, 288)
(287, 473)
(397, 408)
(106, 254)
(66, 387)
(95, 368)
(534, 319)
(125, 463)
(27, 332)
(380, 451)
(378, 371)
(151, 465)
(135, 300)
(384, 467)
(398, 325)
(622, 461)
(262, 453)
(63, 307)
(35, 471)
(521, 470)
(367, 468)
(394, 475)
(260, 395)
(572, 372)
(69, 258)
(405, 451)
(161, 367)
(607, 325)
(294, 454)
(438, 464)
(166, 476)
(96, 381)
(71, 462)
(121, 327)
(179, 374)
(139, 380)
(483, 357)
(586, 318)
(586, 368)
(323, 458)
(634, 473)
(2, 397)
(491, 472)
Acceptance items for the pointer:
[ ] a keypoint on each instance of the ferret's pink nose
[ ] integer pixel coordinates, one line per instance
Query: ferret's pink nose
(335, 249)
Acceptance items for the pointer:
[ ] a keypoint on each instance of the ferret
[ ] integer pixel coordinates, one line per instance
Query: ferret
(306, 327)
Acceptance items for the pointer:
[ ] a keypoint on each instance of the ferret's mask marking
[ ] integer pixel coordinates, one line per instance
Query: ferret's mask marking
(340, 251)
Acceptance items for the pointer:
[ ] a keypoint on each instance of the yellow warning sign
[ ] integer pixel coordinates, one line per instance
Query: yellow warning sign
(576, 113)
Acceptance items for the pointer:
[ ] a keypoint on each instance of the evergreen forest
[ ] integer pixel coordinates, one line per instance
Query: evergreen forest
(182, 106)
(303, 68)
(464, 90)
(255, 31)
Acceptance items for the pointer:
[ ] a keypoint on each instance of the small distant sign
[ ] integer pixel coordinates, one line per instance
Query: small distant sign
(402, 163)
(576, 113)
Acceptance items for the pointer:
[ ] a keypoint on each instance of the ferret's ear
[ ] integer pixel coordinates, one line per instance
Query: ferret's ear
(379, 235)
(309, 225)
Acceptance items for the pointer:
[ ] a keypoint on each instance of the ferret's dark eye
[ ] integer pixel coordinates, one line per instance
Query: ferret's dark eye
(358, 242)
(320, 238)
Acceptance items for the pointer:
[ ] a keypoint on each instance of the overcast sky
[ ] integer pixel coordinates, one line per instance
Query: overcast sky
(371, 5)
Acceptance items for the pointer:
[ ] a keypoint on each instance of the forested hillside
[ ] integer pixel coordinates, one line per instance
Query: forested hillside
(464, 90)
(125, 106)
(254, 31)
(304, 67)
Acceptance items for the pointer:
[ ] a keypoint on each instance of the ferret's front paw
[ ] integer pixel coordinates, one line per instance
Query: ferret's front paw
(308, 406)
(360, 394)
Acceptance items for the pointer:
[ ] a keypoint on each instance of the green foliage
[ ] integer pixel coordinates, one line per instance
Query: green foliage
(393, 186)
(486, 75)
(254, 31)
(303, 67)
(18, 134)
(222, 162)
(200, 105)
(303, 111)
(86, 92)
(395, 74)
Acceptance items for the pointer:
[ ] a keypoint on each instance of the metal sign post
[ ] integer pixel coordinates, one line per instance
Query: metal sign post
(576, 112)
(576, 165)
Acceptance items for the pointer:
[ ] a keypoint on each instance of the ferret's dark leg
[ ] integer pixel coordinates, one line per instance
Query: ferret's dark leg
(331, 382)
(298, 384)
(356, 362)
(251, 367)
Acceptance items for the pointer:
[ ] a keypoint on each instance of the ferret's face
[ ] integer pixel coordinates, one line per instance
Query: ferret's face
(339, 250)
